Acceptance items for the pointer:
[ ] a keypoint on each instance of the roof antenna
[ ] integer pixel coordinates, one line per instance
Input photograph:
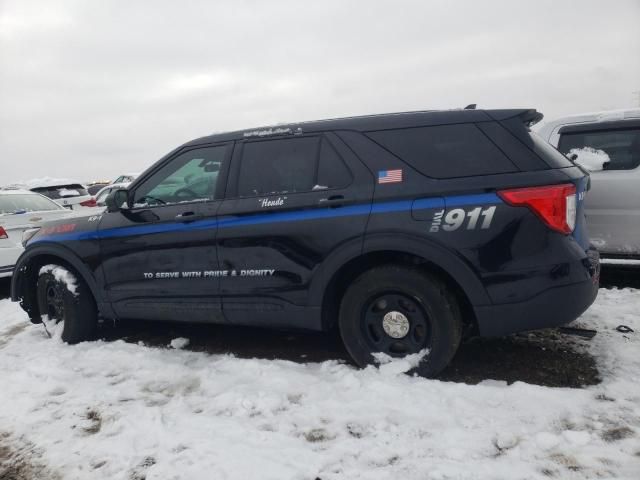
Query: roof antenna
(471, 106)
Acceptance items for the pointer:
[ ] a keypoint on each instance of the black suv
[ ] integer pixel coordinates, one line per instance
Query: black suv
(403, 230)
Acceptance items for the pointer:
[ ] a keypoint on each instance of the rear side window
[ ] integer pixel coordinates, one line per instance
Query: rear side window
(290, 165)
(332, 172)
(622, 146)
(62, 191)
(445, 151)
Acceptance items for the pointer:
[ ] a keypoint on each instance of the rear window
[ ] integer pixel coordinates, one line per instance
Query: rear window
(62, 191)
(445, 151)
(17, 203)
(622, 146)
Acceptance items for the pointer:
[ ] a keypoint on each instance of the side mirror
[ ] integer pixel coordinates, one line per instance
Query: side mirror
(117, 200)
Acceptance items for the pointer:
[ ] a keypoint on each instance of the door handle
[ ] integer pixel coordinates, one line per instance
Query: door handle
(187, 216)
(332, 201)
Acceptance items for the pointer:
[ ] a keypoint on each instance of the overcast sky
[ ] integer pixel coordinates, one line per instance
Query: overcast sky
(91, 89)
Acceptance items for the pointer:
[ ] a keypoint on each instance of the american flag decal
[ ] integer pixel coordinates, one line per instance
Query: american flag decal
(390, 176)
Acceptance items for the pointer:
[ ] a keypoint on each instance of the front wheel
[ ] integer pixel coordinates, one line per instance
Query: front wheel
(66, 305)
(400, 311)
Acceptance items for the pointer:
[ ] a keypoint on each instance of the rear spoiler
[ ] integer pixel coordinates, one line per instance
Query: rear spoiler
(528, 116)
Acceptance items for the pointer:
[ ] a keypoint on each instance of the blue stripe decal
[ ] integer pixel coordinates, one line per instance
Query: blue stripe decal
(480, 199)
(277, 217)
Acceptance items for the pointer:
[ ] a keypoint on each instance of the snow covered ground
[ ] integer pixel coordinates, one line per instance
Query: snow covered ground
(118, 410)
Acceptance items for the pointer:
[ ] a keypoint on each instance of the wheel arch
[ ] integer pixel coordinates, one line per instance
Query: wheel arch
(409, 251)
(28, 266)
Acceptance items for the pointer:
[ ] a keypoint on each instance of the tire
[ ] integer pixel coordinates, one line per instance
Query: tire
(64, 297)
(427, 316)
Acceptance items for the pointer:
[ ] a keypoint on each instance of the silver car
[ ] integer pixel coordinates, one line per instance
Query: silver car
(607, 144)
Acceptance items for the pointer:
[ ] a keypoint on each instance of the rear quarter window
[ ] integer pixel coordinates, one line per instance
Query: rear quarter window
(548, 152)
(445, 151)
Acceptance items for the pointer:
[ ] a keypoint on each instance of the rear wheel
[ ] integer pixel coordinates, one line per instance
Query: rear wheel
(400, 311)
(66, 305)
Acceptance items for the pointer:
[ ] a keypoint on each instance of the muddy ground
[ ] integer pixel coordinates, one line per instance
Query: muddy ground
(545, 357)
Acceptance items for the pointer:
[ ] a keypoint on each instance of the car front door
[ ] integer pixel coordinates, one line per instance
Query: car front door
(158, 256)
(613, 203)
(291, 202)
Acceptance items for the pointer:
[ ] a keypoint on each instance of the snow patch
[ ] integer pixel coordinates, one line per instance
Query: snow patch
(389, 365)
(49, 182)
(590, 158)
(63, 275)
(179, 343)
(107, 410)
(53, 328)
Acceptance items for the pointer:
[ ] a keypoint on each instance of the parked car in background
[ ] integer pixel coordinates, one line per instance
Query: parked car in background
(126, 178)
(21, 210)
(67, 193)
(101, 196)
(94, 187)
(607, 144)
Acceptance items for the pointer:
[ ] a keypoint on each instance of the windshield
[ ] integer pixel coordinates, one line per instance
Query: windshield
(18, 203)
(103, 195)
(124, 179)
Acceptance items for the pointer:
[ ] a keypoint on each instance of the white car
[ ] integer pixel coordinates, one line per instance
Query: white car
(104, 192)
(608, 145)
(67, 193)
(22, 210)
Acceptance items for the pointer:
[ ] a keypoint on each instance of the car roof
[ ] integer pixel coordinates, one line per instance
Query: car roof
(590, 117)
(48, 182)
(372, 122)
(14, 191)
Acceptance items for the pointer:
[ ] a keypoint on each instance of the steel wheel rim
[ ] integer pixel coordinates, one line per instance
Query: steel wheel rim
(54, 302)
(392, 339)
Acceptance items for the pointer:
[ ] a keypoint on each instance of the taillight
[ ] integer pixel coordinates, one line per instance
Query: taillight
(554, 204)
(89, 203)
(3, 234)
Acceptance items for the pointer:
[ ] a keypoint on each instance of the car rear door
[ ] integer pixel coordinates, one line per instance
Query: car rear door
(159, 256)
(613, 203)
(291, 201)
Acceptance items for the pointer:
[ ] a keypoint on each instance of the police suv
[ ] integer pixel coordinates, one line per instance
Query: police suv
(405, 231)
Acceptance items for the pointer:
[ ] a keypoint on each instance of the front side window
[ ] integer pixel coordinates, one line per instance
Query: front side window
(622, 146)
(290, 165)
(189, 177)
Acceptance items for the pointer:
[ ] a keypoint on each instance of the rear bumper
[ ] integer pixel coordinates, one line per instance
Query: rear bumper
(551, 308)
(6, 271)
(8, 258)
